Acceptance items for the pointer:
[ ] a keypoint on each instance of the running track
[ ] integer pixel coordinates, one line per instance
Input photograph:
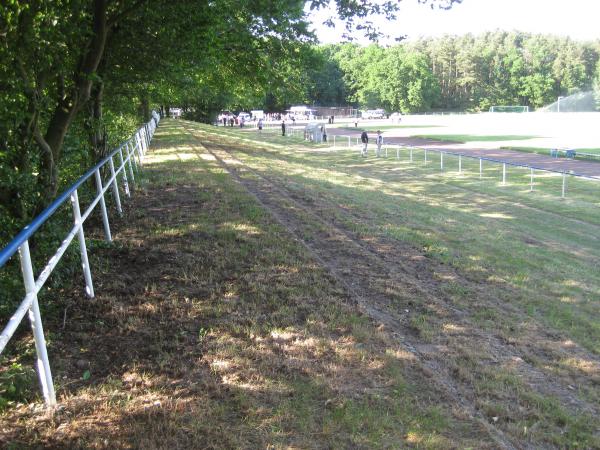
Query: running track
(586, 168)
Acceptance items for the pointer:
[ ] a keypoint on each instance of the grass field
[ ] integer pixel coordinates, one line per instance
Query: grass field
(266, 293)
(569, 223)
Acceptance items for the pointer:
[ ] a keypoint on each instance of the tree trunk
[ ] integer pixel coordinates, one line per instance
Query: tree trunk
(145, 106)
(68, 106)
(95, 124)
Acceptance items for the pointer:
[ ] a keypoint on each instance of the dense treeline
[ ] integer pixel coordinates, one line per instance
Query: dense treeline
(458, 72)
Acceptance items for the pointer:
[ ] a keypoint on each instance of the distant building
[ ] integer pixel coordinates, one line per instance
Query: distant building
(336, 111)
(301, 112)
(373, 114)
(310, 112)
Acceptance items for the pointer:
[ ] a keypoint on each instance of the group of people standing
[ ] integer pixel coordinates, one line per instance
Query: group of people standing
(232, 120)
(364, 138)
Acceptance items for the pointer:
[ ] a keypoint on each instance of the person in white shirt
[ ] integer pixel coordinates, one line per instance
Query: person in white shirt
(379, 142)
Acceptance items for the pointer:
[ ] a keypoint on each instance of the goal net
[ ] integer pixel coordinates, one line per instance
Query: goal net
(509, 109)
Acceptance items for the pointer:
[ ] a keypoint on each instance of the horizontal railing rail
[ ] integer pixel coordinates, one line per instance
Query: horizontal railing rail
(349, 139)
(130, 156)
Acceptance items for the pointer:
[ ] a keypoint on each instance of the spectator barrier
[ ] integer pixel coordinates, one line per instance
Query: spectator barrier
(130, 154)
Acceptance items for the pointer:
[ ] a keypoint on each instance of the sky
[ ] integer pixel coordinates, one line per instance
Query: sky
(578, 19)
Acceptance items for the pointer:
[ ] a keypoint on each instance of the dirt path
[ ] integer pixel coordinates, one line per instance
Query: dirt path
(588, 169)
(459, 356)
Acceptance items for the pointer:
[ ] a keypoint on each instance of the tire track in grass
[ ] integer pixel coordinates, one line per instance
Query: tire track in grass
(338, 266)
(591, 258)
(414, 270)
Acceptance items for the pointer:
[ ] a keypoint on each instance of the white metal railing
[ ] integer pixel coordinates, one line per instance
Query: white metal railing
(130, 155)
(342, 141)
(354, 143)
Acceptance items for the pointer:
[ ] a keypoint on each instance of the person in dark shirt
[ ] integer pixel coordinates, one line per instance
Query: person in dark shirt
(364, 138)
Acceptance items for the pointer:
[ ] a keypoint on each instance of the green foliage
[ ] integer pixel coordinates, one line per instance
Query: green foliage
(407, 83)
(15, 384)
(458, 72)
(504, 68)
(597, 87)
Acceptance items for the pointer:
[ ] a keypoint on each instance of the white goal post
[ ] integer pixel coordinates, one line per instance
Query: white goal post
(510, 109)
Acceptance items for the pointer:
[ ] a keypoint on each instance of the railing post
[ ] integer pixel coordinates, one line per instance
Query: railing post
(85, 263)
(334, 141)
(480, 168)
(531, 182)
(425, 152)
(138, 148)
(131, 159)
(143, 140)
(138, 144)
(398, 153)
(147, 135)
(442, 161)
(123, 168)
(115, 186)
(35, 319)
(99, 188)
(564, 184)
(135, 154)
(503, 174)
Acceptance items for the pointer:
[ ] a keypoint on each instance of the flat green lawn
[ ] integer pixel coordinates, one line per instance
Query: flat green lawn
(463, 138)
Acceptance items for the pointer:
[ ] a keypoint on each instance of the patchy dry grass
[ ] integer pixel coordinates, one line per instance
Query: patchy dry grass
(213, 327)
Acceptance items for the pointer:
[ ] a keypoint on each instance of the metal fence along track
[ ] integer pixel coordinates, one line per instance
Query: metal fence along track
(129, 156)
